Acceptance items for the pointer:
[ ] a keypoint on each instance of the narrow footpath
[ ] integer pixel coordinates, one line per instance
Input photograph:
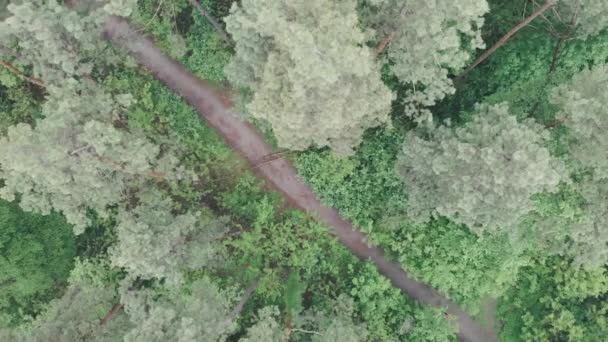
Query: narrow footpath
(279, 173)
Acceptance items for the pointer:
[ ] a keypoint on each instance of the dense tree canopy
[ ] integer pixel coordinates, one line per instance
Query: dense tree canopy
(125, 217)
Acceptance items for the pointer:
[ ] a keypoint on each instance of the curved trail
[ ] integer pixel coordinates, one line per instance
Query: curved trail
(279, 173)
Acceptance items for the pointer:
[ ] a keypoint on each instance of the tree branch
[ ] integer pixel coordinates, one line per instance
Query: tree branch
(218, 27)
(115, 165)
(508, 36)
(24, 76)
(118, 167)
(384, 44)
(114, 311)
(307, 331)
(241, 305)
(564, 37)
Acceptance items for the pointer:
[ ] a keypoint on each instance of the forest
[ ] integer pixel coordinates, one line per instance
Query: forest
(303, 170)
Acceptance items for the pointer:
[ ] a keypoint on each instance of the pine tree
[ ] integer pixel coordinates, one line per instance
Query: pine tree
(427, 41)
(591, 16)
(337, 325)
(311, 78)
(481, 174)
(582, 103)
(77, 314)
(155, 243)
(74, 159)
(201, 312)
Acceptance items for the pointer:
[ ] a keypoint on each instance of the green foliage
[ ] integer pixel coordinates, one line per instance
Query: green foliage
(153, 242)
(590, 15)
(37, 253)
(430, 40)
(267, 328)
(311, 77)
(209, 52)
(364, 187)
(555, 300)
(200, 312)
(386, 312)
(518, 72)
(429, 325)
(582, 103)
(481, 174)
(455, 261)
(76, 315)
(18, 104)
(163, 20)
(294, 289)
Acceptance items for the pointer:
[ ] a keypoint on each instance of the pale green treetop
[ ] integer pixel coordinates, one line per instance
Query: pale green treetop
(311, 76)
(481, 174)
(429, 40)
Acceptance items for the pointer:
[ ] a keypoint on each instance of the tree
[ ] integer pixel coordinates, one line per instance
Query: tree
(582, 107)
(37, 255)
(582, 103)
(199, 312)
(481, 174)
(556, 301)
(77, 314)
(311, 78)
(590, 15)
(427, 40)
(334, 326)
(74, 159)
(155, 243)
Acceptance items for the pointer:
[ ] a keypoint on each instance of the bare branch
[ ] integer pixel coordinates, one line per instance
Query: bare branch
(218, 27)
(307, 331)
(24, 76)
(508, 36)
(384, 44)
(564, 37)
(241, 305)
(114, 311)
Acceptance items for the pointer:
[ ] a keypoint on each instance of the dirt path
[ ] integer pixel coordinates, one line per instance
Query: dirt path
(279, 173)
(488, 314)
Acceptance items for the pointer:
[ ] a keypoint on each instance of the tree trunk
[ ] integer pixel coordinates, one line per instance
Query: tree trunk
(502, 41)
